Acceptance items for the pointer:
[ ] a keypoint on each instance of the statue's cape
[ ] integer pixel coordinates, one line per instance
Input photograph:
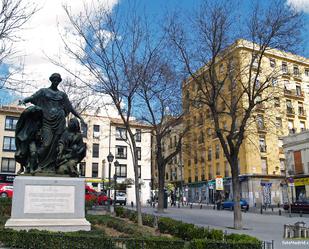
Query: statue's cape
(27, 127)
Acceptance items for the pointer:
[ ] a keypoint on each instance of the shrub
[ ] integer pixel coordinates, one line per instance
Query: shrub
(35, 239)
(210, 244)
(241, 238)
(148, 220)
(120, 212)
(5, 207)
(154, 243)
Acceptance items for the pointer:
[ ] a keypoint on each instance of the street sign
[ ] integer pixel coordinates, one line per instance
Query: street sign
(219, 183)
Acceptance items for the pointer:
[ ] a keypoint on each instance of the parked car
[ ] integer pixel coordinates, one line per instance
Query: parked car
(121, 198)
(6, 190)
(229, 204)
(298, 206)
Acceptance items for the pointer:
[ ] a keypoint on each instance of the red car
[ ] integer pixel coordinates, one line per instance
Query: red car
(6, 190)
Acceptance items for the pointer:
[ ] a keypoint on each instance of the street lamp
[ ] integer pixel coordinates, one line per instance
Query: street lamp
(110, 159)
(116, 164)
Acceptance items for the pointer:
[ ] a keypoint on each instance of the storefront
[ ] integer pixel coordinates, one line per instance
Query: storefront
(301, 188)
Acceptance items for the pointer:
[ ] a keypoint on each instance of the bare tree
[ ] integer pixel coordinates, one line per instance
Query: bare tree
(230, 85)
(117, 50)
(13, 15)
(161, 96)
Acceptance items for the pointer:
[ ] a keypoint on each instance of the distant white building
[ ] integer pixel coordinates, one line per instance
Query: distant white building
(104, 135)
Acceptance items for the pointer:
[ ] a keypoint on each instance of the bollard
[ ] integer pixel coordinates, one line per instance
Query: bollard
(190, 205)
(201, 206)
(214, 207)
(279, 212)
(300, 213)
(261, 210)
(272, 209)
(132, 204)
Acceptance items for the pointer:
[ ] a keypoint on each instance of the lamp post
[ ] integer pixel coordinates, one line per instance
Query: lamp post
(110, 159)
(181, 182)
(116, 163)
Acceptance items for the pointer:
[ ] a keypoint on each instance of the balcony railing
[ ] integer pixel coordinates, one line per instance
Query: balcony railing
(293, 93)
(302, 112)
(263, 148)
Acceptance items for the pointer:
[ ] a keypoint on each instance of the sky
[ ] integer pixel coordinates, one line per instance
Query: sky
(41, 37)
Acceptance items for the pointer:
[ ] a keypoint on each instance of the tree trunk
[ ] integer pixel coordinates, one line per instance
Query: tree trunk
(161, 172)
(236, 194)
(137, 194)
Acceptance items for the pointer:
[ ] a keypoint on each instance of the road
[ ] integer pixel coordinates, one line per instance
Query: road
(264, 227)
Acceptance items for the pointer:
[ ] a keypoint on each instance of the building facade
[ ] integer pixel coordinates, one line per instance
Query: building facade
(102, 135)
(296, 149)
(261, 158)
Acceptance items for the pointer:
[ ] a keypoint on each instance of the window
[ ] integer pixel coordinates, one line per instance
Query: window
(301, 110)
(121, 152)
(291, 126)
(284, 67)
(95, 150)
(95, 169)
(260, 122)
(262, 144)
(264, 166)
(9, 144)
(298, 90)
(121, 170)
(8, 165)
(121, 133)
(295, 70)
(10, 123)
(217, 151)
(218, 172)
(96, 131)
(139, 153)
(209, 133)
(302, 126)
(84, 129)
(307, 71)
(209, 154)
(82, 168)
(278, 122)
(272, 62)
(138, 135)
(277, 101)
(227, 169)
(139, 171)
(274, 81)
(289, 107)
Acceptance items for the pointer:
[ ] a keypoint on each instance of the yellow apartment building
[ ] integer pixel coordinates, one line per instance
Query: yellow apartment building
(261, 158)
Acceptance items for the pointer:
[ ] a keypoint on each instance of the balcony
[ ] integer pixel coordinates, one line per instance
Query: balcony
(290, 111)
(297, 77)
(261, 128)
(294, 94)
(286, 73)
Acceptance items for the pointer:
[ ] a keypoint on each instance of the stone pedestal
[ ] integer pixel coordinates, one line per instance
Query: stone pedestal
(48, 203)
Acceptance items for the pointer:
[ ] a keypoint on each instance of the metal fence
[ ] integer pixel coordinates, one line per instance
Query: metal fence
(268, 245)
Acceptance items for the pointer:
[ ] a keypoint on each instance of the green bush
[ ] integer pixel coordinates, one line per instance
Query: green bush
(241, 238)
(120, 212)
(5, 207)
(148, 220)
(54, 240)
(154, 243)
(210, 244)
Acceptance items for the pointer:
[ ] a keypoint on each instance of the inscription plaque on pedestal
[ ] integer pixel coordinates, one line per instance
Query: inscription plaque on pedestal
(49, 199)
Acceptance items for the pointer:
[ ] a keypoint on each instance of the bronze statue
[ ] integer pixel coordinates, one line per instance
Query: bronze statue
(71, 149)
(55, 107)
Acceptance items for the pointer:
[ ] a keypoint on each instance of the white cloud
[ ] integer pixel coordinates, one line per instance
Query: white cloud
(40, 37)
(300, 5)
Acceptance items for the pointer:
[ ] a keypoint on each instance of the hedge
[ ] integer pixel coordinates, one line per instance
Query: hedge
(184, 230)
(211, 244)
(35, 239)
